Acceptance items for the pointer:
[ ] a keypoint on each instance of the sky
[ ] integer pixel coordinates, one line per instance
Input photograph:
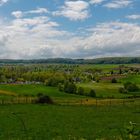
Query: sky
(40, 29)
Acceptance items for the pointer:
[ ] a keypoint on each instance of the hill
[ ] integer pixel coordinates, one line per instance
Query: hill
(108, 60)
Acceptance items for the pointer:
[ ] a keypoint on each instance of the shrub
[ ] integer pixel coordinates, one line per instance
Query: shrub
(92, 93)
(97, 80)
(60, 87)
(80, 91)
(131, 132)
(39, 94)
(127, 84)
(52, 82)
(122, 90)
(42, 99)
(70, 87)
(113, 80)
(131, 87)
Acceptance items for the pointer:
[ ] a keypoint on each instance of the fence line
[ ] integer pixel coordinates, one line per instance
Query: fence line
(99, 102)
(18, 100)
(96, 102)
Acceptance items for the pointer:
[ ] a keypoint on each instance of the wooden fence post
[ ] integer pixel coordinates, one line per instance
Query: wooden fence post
(123, 101)
(96, 102)
(110, 102)
(2, 101)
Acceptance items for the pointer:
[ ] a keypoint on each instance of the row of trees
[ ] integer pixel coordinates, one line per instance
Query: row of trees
(129, 87)
(70, 87)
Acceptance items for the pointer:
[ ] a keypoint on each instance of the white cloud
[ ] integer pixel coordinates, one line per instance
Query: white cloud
(19, 14)
(74, 10)
(114, 39)
(24, 38)
(106, 39)
(40, 37)
(96, 1)
(3, 2)
(38, 11)
(116, 4)
(133, 17)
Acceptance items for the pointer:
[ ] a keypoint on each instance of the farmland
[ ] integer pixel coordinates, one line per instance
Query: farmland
(65, 122)
(89, 101)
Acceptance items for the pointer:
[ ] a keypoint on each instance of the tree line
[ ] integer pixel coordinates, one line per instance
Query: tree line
(108, 60)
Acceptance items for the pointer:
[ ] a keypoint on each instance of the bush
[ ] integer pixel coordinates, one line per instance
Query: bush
(127, 84)
(80, 91)
(42, 99)
(70, 87)
(92, 93)
(52, 82)
(113, 80)
(39, 94)
(97, 80)
(122, 90)
(60, 87)
(131, 87)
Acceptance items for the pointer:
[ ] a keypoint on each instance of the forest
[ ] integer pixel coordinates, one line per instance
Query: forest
(107, 60)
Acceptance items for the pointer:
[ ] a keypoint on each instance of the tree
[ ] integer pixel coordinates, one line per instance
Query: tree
(80, 91)
(120, 71)
(131, 87)
(122, 90)
(112, 72)
(92, 93)
(113, 80)
(60, 87)
(70, 87)
(66, 86)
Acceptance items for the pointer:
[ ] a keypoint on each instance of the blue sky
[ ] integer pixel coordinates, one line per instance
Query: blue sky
(32, 29)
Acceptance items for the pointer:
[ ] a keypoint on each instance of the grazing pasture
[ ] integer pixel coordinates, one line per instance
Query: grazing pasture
(38, 122)
(105, 90)
(33, 90)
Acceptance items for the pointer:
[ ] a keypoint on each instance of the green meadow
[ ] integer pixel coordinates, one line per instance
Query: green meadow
(51, 122)
(33, 90)
(105, 90)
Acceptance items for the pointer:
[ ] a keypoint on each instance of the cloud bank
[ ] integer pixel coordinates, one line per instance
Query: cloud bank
(34, 34)
(3, 2)
(74, 10)
(40, 37)
(116, 4)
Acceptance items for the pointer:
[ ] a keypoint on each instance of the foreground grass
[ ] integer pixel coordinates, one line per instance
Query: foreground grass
(65, 122)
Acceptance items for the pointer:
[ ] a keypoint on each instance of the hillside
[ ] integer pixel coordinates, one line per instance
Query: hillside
(108, 60)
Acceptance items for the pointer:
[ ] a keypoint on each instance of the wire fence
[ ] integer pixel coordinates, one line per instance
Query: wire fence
(26, 135)
(86, 102)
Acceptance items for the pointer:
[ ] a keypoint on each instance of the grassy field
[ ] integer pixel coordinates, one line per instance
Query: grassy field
(105, 90)
(68, 121)
(65, 122)
(104, 67)
(132, 78)
(33, 90)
